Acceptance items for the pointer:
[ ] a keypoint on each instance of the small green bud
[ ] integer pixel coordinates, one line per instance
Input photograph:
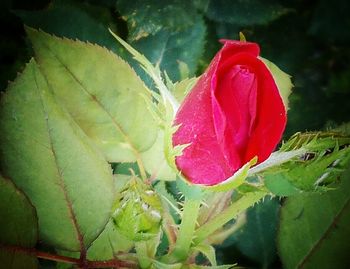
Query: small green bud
(139, 212)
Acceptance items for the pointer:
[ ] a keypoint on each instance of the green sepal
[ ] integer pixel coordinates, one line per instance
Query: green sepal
(276, 159)
(208, 251)
(234, 181)
(196, 191)
(282, 80)
(153, 71)
(242, 37)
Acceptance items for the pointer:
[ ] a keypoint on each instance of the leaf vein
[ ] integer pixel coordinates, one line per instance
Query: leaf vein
(61, 183)
(327, 232)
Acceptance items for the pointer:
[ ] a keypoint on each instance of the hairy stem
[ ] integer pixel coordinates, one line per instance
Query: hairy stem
(186, 230)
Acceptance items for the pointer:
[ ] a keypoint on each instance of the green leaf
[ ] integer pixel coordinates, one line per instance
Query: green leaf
(19, 228)
(324, 157)
(256, 239)
(314, 229)
(281, 186)
(282, 79)
(172, 49)
(100, 91)
(108, 244)
(155, 162)
(54, 163)
(148, 17)
(248, 12)
(81, 20)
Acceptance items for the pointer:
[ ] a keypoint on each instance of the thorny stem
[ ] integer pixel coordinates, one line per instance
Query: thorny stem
(113, 263)
(187, 228)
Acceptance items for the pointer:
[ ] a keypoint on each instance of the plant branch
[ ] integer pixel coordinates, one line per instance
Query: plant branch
(113, 263)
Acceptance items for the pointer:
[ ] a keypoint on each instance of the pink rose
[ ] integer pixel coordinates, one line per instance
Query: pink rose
(233, 113)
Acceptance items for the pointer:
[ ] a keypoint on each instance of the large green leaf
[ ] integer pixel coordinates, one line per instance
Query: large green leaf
(100, 91)
(314, 230)
(54, 163)
(19, 228)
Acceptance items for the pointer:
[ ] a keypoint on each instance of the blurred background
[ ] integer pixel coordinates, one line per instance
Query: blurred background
(307, 39)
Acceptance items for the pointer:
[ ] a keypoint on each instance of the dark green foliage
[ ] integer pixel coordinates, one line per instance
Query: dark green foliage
(83, 22)
(249, 12)
(314, 229)
(255, 240)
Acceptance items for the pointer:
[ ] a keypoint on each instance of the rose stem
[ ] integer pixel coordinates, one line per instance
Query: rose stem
(186, 229)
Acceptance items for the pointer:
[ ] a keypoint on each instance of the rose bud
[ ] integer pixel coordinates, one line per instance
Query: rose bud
(233, 113)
